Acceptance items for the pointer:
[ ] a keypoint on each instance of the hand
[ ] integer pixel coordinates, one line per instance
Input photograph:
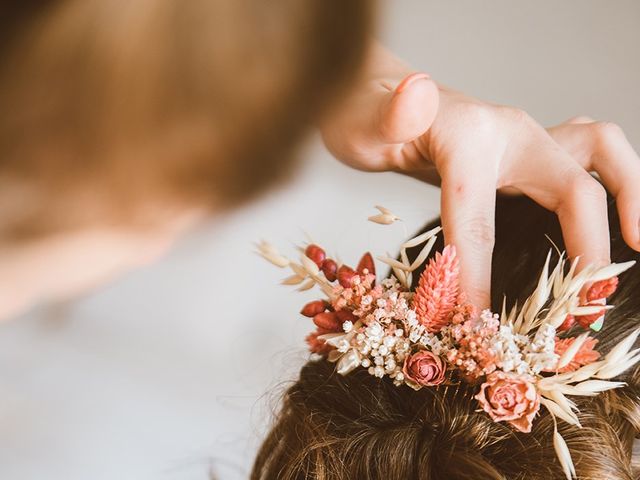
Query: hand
(402, 121)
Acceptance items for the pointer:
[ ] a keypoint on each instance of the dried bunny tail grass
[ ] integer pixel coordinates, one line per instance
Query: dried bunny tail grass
(271, 254)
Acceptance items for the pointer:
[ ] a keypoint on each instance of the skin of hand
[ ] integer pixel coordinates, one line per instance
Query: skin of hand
(399, 120)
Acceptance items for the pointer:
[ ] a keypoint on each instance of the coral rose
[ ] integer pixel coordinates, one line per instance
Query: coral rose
(423, 369)
(511, 398)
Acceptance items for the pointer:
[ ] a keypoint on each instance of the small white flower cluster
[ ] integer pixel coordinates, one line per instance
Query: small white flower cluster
(382, 344)
(522, 354)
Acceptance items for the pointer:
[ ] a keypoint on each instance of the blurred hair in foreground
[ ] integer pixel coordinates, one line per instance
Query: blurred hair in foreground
(358, 426)
(113, 108)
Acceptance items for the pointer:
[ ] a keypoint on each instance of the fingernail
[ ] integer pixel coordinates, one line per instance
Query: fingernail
(597, 325)
(411, 79)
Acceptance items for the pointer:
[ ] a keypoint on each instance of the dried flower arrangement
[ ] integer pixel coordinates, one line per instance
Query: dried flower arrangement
(425, 337)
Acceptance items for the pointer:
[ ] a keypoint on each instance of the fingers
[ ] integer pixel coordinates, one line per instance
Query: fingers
(554, 180)
(603, 147)
(468, 221)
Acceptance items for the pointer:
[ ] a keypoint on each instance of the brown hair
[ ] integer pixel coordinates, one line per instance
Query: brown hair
(196, 102)
(360, 427)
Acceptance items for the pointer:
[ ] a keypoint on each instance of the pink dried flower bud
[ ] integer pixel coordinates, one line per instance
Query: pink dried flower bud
(602, 289)
(510, 398)
(366, 262)
(328, 321)
(315, 253)
(311, 309)
(330, 269)
(423, 369)
(346, 276)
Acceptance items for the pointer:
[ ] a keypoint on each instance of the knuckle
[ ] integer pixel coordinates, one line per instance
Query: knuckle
(518, 115)
(582, 185)
(479, 232)
(606, 132)
(481, 117)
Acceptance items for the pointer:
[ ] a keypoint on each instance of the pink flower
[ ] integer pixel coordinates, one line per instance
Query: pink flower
(511, 398)
(437, 292)
(586, 353)
(423, 369)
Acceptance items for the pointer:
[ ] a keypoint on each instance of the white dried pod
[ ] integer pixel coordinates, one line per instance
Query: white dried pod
(597, 386)
(424, 253)
(567, 356)
(423, 237)
(394, 263)
(564, 455)
(560, 412)
(382, 219)
(610, 271)
(618, 352)
(588, 309)
(348, 362)
(586, 371)
(573, 390)
(618, 368)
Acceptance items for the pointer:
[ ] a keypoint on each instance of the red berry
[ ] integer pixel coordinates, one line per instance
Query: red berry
(328, 321)
(366, 262)
(346, 276)
(311, 309)
(344, 315)
(315, 253)
(330, 269)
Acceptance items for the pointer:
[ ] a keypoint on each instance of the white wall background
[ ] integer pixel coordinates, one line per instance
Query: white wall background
(163, 375)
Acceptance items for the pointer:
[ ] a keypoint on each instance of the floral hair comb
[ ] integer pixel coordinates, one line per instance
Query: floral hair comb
(420, 338)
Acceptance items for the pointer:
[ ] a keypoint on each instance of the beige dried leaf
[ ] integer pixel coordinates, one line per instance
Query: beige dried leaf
(382, 219)
(424, 253)
(423, 237)
(587, 371)
(394, 263)
(563, 453)
(298, 269)
(308, 285)
(618, 352)
(567, 356)
(309, 265)
(612, 270)
(292, 280)
(565, 414)
(612, 370)
(597, 386)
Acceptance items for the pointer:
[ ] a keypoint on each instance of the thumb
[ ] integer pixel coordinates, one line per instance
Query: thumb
(379, 119)
(408, 110)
